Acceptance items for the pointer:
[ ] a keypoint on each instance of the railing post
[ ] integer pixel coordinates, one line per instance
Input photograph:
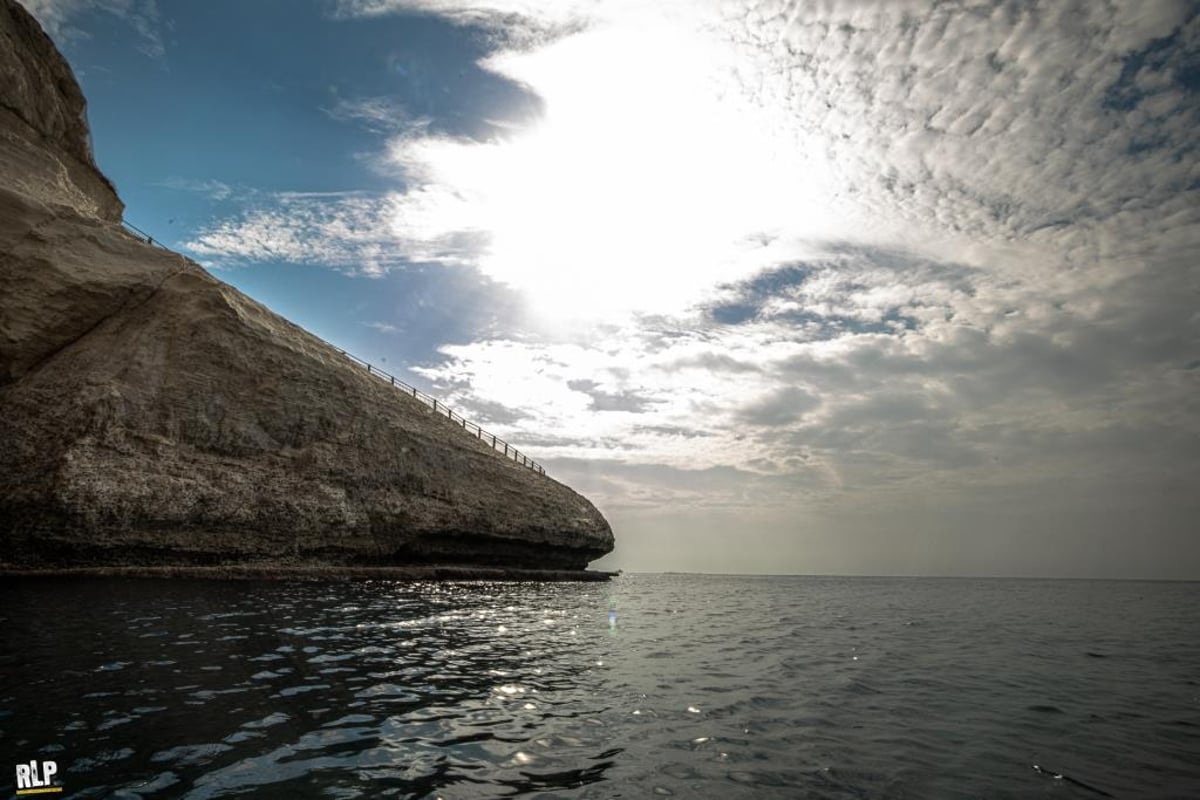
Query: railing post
(394, 381)
(435, 405)
(506, 448)
(368, 369)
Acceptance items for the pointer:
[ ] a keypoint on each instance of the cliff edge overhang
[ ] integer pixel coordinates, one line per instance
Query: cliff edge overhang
(45, 149)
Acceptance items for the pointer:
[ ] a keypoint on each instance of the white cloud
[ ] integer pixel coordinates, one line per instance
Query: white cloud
(723, 138)
(992, 387)
(212, 189)
(353, 232)
(379, 114)
(58, 16)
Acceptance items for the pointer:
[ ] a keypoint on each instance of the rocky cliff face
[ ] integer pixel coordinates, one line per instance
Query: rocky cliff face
(45, 146)
(152, 415)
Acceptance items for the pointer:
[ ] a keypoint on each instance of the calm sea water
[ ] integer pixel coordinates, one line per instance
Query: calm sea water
(704, 686)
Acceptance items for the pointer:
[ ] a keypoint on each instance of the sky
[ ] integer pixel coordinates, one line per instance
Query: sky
(835, 287)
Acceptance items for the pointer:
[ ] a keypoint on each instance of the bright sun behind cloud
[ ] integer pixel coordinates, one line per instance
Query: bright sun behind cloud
(649, 180)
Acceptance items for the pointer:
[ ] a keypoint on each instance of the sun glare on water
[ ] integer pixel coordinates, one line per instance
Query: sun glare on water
(651, 178)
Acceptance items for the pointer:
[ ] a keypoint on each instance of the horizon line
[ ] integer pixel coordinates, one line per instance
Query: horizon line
(1142, 579)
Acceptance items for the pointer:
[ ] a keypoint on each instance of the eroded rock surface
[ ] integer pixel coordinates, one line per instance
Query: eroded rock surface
(152, 415)
(45, 145)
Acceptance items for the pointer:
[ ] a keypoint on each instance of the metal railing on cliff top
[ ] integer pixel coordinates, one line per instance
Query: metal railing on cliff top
(438, 407)
(497, 444)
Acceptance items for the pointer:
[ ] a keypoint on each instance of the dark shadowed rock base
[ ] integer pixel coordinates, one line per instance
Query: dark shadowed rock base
(321, 572)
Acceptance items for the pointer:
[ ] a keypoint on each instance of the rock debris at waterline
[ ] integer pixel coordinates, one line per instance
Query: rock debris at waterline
(153, 416)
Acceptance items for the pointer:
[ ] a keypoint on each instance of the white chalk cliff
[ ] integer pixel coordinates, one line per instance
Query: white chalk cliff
(152, 415)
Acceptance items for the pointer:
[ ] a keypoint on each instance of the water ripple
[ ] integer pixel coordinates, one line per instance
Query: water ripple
(702, 687)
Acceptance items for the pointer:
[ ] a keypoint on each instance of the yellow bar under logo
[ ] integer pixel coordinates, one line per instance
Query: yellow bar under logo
(46, 790)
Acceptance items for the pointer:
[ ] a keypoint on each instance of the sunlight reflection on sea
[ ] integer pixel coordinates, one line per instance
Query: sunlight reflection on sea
(654, 685)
